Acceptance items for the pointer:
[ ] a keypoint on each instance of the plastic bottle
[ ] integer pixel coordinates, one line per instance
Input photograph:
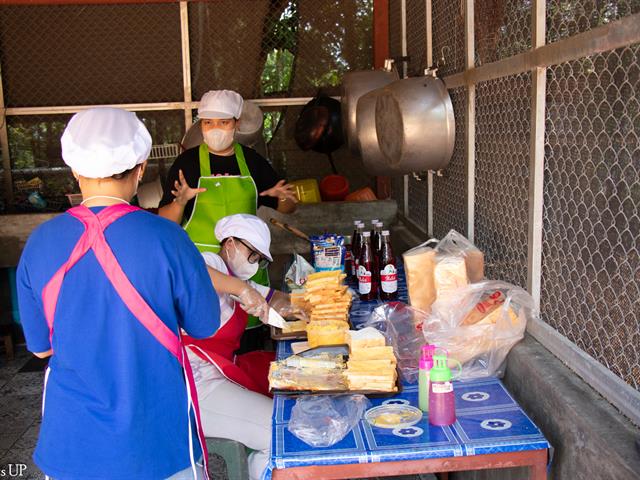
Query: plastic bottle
(367, 287)
(387, 269)
(355, 249)
(425, 366)
(442, 405)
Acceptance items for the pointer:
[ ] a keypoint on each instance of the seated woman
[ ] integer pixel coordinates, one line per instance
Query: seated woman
(232, 390)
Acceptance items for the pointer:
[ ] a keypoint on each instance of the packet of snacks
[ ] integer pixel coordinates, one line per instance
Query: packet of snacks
(328, 252)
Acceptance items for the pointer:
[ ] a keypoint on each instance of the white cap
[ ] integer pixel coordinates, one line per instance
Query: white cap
(100, 142)
(220, 104)
(245, 227)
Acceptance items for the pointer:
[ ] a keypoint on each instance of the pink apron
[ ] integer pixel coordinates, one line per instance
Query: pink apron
(93, 238)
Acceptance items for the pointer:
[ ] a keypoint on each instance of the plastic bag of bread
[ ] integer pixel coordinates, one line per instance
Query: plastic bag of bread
(419, 263)
(456, 245)
(479, 324)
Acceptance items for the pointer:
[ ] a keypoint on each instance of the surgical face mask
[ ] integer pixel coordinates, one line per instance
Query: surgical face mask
(217, 139)
(239, 264)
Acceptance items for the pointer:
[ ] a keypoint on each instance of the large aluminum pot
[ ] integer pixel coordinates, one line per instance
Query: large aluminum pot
(372, 157)
(415, 125)
(354, 86)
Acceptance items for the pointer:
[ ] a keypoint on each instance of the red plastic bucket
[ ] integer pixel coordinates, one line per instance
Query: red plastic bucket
(334, 188)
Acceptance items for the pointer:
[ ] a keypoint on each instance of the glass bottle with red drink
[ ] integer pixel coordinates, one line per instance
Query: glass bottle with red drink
(367, 286)
(355, 249)
(376, 243)
(388, 269)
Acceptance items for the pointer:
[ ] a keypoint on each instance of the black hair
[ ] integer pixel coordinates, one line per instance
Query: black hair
(125, 174)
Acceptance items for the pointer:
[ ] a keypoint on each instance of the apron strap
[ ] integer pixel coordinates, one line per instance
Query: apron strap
(93, 238)
(205, 162)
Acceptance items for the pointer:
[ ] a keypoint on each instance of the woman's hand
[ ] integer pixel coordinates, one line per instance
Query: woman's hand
(282, 191)
(183, 192)
(254, 304)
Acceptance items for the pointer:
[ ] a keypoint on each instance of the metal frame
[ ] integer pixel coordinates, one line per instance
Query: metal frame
(6, 156)
(470, 118)
(536, 155)
(186, 63)
(429, 49)
(536, 460)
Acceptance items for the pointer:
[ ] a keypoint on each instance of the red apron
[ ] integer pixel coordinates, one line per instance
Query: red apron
(249, 370)
(93, 239)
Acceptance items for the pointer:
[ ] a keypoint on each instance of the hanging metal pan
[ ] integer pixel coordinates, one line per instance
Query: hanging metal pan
(354, 86)
(415, 125)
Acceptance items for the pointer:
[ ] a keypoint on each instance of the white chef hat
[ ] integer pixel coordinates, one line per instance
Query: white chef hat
(101, 142)
(245, 227)
(220, 104)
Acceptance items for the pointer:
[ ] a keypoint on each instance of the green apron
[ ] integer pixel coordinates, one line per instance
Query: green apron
(225, 195)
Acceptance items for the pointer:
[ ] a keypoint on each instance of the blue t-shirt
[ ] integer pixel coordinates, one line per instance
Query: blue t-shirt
(115, 401)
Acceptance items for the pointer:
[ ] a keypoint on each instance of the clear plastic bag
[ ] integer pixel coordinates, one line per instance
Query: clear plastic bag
(401, 325)
(479, 324)
(455, 244)
(324, 420)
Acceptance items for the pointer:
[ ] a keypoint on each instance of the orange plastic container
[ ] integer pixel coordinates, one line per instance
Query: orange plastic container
(361, 195)
(334, 188)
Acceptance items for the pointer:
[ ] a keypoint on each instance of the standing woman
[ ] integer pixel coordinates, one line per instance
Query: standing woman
(104, 290)
(221, 178)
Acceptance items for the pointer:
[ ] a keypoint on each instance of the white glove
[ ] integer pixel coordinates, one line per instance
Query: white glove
(281, 303)
(254, 304)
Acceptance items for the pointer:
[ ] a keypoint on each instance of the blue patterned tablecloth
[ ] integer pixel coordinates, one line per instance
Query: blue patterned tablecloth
(489, 420)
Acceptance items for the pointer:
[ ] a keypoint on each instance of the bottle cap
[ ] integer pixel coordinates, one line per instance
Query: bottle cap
(374, 221)
(385, 232)
(366, 234)
(440, 371)
(379, 224)
(356, 222)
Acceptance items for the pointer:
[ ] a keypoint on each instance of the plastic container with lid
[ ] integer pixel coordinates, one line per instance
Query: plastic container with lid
(307, 190)
(334, 188)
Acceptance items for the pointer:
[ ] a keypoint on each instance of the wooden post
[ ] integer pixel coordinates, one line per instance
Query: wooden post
(186, 63)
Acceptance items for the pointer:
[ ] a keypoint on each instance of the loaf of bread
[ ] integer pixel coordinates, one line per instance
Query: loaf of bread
(365, 338)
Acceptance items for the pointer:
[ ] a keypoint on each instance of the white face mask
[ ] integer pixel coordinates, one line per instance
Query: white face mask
(239, 264)
(218, 140)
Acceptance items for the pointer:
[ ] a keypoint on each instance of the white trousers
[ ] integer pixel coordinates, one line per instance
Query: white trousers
(230, 411)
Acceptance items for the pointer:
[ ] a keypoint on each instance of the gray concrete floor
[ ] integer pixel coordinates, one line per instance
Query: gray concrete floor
(20, 403)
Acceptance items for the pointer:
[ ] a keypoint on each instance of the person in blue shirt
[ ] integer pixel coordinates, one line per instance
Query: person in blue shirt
(104, 290)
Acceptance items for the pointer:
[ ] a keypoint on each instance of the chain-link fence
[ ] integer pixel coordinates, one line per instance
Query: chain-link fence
(450, 189)
(66, 55)
(90, 54)
(567, 18)
(448, 36)
(502, 29)
(591, 250)
(502, 175)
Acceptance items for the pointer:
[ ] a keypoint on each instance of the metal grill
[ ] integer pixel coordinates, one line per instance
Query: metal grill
(502, 169)
(277, 48)
(565, 19)
(502, 29)
(416, 36)
(450, 190)
(448, 36)
(418, 202)
(591, 260)
(90, 54)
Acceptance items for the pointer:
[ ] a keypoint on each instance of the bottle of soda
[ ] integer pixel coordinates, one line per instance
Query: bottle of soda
(367, 287)
(376, 243)
(356, 242)
(388, 270)
(373, 228)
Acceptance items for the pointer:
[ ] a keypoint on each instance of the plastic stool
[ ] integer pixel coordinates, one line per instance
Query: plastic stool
(234, 455)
